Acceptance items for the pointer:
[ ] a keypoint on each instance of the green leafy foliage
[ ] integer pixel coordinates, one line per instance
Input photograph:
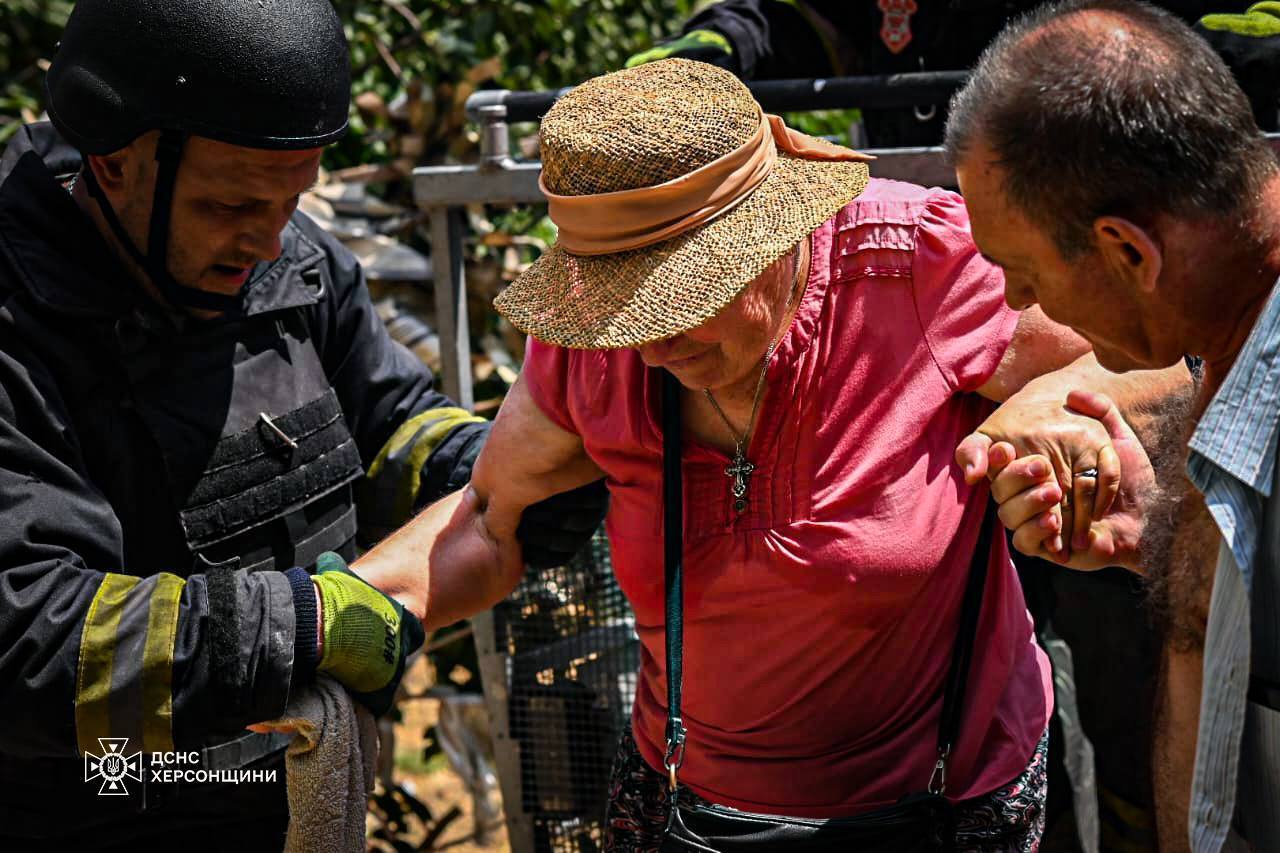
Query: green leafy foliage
(432, 52)
(440, 51)
(832, 124)
(28, 31)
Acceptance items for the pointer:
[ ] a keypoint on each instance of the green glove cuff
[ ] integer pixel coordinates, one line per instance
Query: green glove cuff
(1262, 20)
(367, 635)
(695, 40)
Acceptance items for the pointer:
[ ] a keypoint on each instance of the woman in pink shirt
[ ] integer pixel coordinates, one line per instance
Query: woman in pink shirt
(834, 338)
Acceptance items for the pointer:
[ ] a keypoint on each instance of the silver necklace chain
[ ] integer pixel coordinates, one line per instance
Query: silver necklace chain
(741, 468)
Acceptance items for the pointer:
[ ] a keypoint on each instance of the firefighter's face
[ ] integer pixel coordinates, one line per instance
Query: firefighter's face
(1110, 293)
(230, 205)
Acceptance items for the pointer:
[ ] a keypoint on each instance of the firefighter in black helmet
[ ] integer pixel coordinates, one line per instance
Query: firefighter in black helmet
(200, 417)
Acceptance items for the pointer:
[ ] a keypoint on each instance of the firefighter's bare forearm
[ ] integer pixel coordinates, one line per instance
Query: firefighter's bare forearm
(447, 563)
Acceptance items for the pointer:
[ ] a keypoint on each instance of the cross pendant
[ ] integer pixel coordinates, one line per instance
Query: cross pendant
(740, 471)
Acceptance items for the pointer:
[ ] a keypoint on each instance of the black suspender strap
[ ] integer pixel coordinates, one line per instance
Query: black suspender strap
(673, 555)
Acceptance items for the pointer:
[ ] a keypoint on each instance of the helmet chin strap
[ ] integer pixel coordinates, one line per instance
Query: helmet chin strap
(154, 263)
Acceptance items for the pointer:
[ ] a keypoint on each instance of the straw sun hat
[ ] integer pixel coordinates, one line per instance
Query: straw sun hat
(633, 267)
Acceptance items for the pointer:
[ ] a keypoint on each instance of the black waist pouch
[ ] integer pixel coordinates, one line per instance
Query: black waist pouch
(917, 823)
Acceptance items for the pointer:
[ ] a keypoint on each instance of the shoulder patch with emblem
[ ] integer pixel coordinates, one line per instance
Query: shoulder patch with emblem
(895, 24)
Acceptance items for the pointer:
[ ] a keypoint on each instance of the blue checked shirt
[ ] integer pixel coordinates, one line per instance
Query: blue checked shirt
(1233, 461)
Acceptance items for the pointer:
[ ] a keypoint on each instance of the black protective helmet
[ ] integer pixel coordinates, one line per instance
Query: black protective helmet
(268, 74)
(257, 73)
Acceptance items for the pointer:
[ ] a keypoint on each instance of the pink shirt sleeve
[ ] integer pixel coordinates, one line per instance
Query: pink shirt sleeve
(959, 296)
(546, 376)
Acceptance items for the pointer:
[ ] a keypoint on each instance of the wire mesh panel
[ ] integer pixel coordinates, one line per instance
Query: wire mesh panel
(568, 638)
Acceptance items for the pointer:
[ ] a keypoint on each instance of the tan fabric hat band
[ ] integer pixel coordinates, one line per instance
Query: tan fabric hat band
(605, 223)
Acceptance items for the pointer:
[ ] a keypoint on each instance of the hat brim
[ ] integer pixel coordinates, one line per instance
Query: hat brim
(631, 298)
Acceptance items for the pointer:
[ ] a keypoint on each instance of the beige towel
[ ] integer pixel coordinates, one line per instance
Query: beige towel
(330, 768)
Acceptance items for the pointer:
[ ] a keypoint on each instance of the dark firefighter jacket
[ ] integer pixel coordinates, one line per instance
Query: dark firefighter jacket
(780, 39)
(158, 474)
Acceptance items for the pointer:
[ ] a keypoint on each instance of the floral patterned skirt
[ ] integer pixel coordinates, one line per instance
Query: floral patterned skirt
(1008, 820)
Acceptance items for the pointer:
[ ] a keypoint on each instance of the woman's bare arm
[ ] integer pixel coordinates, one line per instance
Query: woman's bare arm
(460, 555)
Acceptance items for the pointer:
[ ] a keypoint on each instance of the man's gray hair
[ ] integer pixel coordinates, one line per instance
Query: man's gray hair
(1109, 107)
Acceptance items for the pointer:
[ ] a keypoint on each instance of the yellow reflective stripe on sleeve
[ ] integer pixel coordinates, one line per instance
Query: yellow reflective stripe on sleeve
(97, 656)
(437, 423)
(421, 452)
(409, 429)
(157, 664)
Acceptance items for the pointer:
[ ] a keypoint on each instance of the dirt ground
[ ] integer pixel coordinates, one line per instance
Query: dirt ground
(436, 785)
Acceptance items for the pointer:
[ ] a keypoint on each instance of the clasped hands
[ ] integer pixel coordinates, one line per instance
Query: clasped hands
(1070, 476)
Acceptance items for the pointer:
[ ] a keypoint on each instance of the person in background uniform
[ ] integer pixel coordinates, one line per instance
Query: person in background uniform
(1141, 205)
(200, 417)
(779, 39)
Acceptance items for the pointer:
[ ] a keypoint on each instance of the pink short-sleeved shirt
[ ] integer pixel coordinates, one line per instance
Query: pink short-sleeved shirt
(820, 623)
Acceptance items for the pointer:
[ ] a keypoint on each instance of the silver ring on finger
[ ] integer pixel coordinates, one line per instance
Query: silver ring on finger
(1088, 472)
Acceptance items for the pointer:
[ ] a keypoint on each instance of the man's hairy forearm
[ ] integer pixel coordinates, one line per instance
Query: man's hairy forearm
(446, 564)
(1150, 400)
(1184, 552)
(1175, 723)
(1181, 538)
(1157, 405)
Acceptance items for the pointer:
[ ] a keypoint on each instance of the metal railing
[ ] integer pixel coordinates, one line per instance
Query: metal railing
(869, 91)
